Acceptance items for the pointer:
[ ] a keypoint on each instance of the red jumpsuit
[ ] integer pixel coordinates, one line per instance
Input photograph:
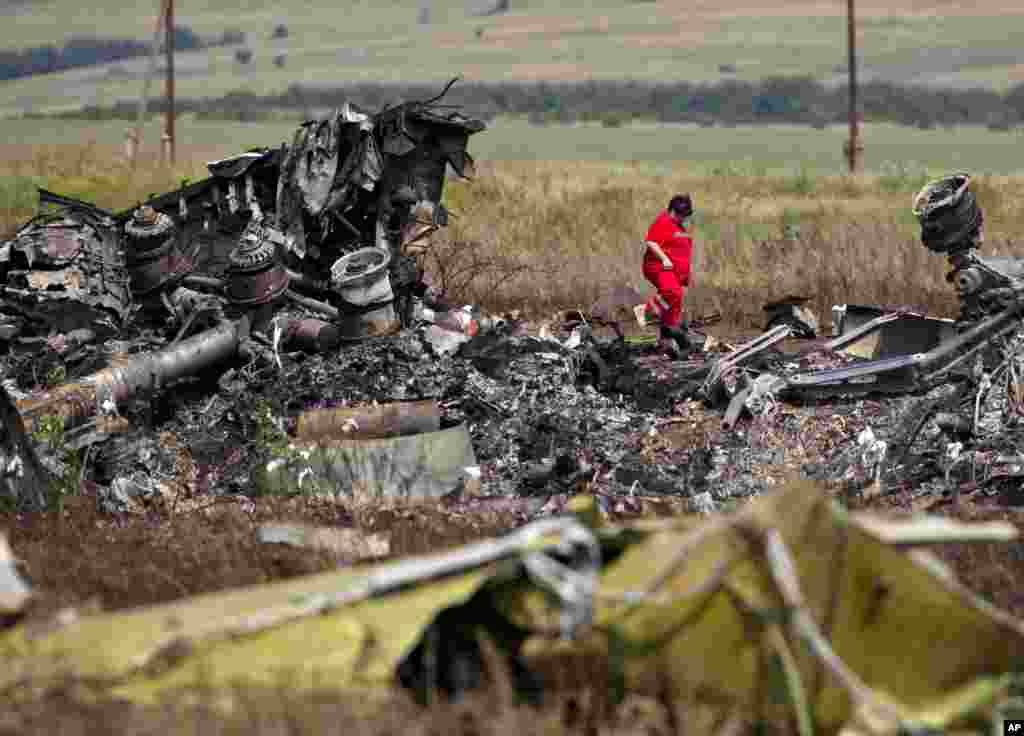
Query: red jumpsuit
(678, 246)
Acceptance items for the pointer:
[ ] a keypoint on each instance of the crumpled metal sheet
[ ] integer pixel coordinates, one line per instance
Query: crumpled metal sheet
(73, 255)
(316, 155)
(328, 159)
(906, 333)
(791, 605)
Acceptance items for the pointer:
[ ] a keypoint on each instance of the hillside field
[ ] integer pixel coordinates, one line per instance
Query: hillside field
(908, 41)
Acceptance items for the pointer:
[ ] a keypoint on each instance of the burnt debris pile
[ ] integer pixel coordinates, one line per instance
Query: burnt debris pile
(287, 291)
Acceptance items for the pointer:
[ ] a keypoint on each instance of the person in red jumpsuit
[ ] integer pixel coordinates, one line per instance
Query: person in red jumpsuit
(669, 248)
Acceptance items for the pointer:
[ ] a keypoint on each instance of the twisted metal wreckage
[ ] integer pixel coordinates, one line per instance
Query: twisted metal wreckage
(330, 224)
(968, 369)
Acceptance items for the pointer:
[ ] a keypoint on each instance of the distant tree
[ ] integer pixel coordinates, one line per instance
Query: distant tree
(280, 31)
(243, 56)
(279, 60)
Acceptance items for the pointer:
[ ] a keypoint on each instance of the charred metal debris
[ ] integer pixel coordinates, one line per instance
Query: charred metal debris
(288, 283)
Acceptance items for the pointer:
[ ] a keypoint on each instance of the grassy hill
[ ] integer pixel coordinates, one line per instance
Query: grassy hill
(329, 43)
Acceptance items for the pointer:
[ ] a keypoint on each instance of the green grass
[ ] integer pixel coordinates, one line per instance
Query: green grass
(892, 151)
(331, 43)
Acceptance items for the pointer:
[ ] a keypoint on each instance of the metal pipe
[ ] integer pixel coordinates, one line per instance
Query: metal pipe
(300, 281)
(313, 304)
(853, 335)
(854, 147)
(203, 282)
(75, 402)
(863, 370)
(348, 225)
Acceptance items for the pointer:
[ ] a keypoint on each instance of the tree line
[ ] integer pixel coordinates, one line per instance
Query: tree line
(801, 101)
(82, 51)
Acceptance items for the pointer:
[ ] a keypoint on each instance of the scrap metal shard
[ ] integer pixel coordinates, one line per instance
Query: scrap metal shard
(789, 605)
(872, 333)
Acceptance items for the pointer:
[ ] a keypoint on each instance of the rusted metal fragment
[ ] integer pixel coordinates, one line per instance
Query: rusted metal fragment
(369, 422)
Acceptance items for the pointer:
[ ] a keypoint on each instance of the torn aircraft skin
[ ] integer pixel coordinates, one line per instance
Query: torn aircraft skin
(350, 183)
(790, 606)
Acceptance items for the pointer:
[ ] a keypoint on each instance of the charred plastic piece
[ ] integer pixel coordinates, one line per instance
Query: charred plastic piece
(154, 258)
(255, 274)
(949, 215)
(872, 333)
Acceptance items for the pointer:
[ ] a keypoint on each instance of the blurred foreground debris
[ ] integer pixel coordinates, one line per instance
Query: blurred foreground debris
(792, 608)
(14, 592)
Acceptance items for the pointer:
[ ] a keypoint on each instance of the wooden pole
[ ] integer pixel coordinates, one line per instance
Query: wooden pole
(854, 148)
(134, 136)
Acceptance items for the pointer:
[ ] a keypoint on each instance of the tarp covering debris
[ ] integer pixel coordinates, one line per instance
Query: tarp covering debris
(792, 605)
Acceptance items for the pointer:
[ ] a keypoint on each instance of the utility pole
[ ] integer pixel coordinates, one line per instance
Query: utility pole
(853, 148)
(168, 137)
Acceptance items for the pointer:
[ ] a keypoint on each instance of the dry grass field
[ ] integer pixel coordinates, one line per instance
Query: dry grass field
(547, 235)
(910, 41)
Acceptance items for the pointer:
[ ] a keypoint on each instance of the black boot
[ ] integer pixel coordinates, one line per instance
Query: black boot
(680, 339)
